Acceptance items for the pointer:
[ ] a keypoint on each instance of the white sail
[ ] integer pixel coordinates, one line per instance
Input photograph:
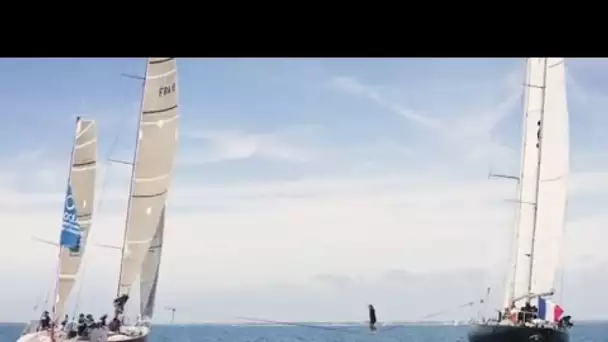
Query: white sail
(533, 102)
(82, 180)
(153, 166)
(150, 272)
(552, 187)
(542, 188)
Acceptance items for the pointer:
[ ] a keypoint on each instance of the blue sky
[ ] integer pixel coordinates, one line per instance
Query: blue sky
(303, 181)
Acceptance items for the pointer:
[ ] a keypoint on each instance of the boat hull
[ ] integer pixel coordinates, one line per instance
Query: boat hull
(512, 333)
(94, 336)
(123, 338)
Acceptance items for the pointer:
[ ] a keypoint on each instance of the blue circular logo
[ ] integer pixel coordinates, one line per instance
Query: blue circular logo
(69, 203)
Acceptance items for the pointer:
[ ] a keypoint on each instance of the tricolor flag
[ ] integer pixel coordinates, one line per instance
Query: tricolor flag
(549, 311)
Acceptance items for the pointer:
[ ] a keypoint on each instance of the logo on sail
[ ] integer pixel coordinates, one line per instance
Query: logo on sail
(70, 231)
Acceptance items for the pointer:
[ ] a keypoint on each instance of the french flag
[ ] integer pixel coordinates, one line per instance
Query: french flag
(549, 311)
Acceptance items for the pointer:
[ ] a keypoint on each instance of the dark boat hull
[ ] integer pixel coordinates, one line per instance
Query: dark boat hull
(508, 333)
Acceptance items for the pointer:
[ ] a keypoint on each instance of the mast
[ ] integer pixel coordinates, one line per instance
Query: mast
(59, 254)
(124, 238)
(511, 277)
(539, 160)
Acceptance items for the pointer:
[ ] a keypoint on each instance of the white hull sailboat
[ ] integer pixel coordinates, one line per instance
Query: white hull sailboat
(529, 312)
(77, 220)
(152, 172)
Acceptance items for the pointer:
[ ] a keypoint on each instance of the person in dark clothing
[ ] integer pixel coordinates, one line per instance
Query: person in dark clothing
(119, 304)
(533, 312)
(521, 314)
(526, 313)
(89, 322)
(565, 322)
(102, 320)
(64, 322)
(372, 318)
(82, 326)
(114, 325)
(45, 321)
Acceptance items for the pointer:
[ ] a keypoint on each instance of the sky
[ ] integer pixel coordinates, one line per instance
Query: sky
(304, 189)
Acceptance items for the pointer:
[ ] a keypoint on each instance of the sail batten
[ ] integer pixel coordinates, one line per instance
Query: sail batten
(82, 187)
(153, 168)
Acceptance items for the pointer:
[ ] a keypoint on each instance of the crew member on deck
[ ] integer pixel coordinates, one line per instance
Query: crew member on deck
(45, 321)
(64, 322)
(372, 318)
(82, 326)
(119, 304)
(102, 320)
(533, 312)
(114, 325)
(525, 313)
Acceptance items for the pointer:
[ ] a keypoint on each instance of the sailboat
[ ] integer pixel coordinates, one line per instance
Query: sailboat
(77, 219)
(530, 313)
(152, 170)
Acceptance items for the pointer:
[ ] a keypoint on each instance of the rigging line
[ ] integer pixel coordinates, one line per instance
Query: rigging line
(431, 315)
(347, 330)
(43, 297)
(321, 327)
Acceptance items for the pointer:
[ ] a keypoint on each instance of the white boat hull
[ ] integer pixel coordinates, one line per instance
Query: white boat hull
(127, 334)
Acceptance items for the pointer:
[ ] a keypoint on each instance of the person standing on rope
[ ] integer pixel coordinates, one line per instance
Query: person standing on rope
(372, 318)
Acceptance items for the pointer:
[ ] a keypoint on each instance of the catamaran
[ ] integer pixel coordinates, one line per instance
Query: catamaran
(529, 313)
(77, 219)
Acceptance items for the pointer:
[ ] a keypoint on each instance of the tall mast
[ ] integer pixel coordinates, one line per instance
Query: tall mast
(515, 238)
(541, 123)
(56, 292)
(124, 238)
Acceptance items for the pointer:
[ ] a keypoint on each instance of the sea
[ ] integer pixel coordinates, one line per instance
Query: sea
(583, 332)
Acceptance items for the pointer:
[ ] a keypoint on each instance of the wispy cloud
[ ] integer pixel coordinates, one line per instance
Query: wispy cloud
(234, 144)
(469, 128)
(355, 87)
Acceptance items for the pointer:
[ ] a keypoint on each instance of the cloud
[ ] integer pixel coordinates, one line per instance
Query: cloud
(266, 232)
(468, 127)
(233, 145)
(353, 86)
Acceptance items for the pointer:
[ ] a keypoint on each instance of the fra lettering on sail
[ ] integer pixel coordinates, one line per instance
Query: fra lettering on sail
(166, 90)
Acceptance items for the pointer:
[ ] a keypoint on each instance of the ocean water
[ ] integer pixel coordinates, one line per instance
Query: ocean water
(410, 333)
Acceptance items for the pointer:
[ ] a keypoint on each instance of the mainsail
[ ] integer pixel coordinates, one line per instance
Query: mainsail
(78, 210)
(150, 272)
(153, 166)
(542, 188)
